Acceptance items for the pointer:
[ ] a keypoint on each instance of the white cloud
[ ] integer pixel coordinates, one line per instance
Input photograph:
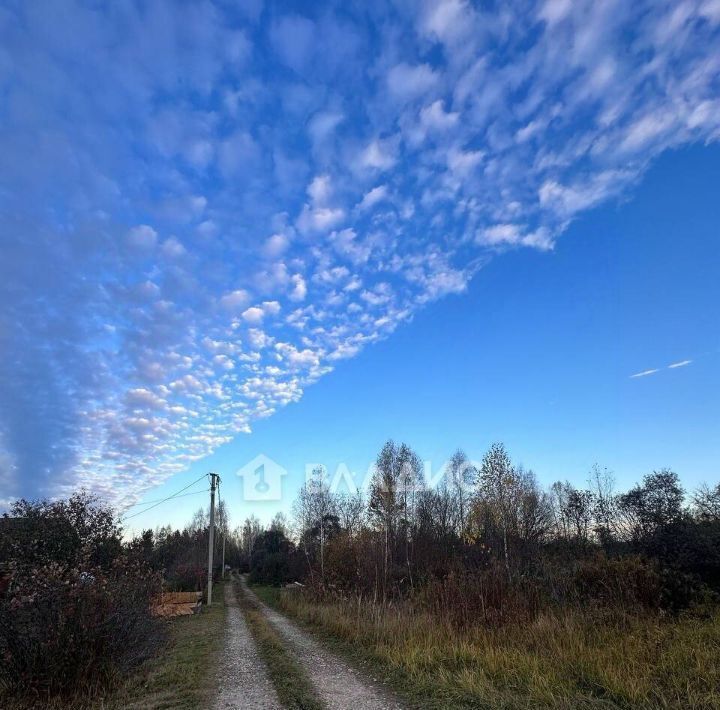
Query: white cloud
(554, 11)
(379, 155)
(645, 130)
(347, 245)
(407, 82)
(710, 9)
(463, 162)
(256, 314)
(434, 117)
(528, 131)
(320, 190)
(372, 197)
(682, 363)
(318, 215)
(299, 289)
(332, 276)
(172, 249)
(143, 397)
(234, 301)
(207, 229)
(323, 125)
(319, 219)
(645, 373)
(448, 20)
(493, 128)
(271, 307)
(305, 358)
(514, 235)
(142, 237)
(567, 200)
(541, 239)
(380, 295)
(275, 245)
(500, 234)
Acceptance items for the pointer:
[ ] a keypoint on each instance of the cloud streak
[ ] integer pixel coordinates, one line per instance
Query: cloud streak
(219, 207)
(673, 366)
(645, 373)
(682, 363)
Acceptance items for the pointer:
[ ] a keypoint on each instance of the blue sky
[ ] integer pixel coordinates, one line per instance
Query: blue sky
(299, 231)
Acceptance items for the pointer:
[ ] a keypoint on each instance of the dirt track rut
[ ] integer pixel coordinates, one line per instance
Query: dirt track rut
(340, 686)
(242, 678)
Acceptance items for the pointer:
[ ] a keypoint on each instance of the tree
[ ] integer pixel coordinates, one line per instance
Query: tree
(498, 483)
(280, 523)
(653, 506)
(61, 530)
(251, 530)
(351, 512)
(200, 521)
(385, 504)
(222, 519)
(272, 558)
(578, 511)
(656, 522)
(461, 474)
(410, 482)
(315, 515)
(602, 484)
(534, 518)
(706, 503)
(573, 509)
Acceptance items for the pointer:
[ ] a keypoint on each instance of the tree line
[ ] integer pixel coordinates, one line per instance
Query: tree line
(490, 537)
(487, 544)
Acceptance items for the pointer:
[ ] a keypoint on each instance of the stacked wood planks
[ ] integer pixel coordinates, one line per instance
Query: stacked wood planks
(177, 604)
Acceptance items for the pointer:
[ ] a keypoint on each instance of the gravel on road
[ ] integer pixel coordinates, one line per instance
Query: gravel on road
(242, 679)
(340, 686)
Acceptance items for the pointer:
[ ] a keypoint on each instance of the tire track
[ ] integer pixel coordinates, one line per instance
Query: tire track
(340, 686)
(242, 678)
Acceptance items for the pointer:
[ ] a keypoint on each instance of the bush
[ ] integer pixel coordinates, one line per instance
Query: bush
(490, 597)
(74, 611)
(629, 582)
(274, 560)
(66, 629)
(485, 596)
(186, 577)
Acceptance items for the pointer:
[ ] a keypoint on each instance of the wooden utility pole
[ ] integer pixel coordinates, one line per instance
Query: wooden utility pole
(211, 536)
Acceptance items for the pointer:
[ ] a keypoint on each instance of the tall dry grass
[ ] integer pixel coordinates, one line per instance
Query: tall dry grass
(564, 658)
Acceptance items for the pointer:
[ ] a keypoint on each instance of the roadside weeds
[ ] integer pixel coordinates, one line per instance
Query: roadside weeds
(183, 675)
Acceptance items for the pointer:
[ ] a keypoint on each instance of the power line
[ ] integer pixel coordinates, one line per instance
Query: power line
(164, 500)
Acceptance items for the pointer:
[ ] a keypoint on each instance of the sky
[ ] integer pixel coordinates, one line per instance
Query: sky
(232, 230)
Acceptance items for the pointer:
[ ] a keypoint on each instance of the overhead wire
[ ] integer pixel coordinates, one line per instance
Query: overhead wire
(164, 500)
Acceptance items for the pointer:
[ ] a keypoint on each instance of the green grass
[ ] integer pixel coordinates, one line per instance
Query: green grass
(182, 676)
(562, 660)
(291, 683)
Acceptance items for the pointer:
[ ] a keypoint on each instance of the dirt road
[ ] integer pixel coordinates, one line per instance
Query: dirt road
(340, 686)
(242, 678)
